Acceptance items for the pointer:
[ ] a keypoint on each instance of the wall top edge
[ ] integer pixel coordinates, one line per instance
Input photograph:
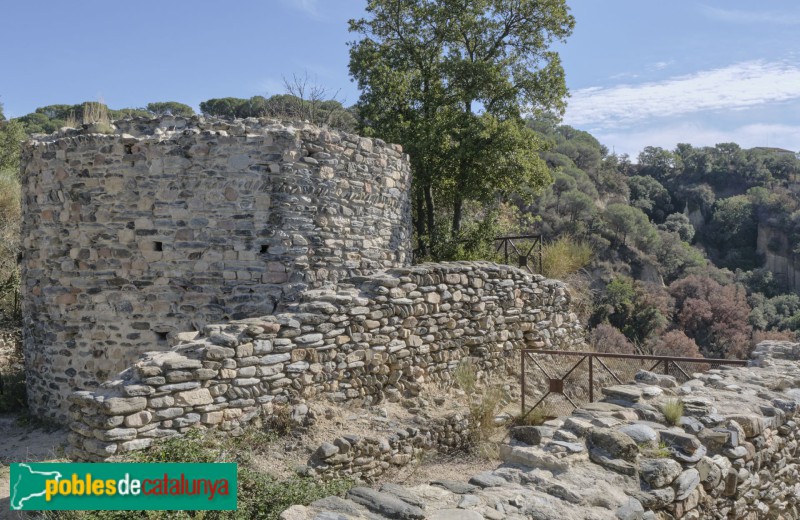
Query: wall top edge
(163, 128)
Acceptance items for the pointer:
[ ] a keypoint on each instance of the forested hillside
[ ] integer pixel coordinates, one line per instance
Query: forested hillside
(675, 265)
(661, 251)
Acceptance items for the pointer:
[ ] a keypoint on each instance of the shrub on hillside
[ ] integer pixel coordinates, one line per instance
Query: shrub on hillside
(674, 343)
(715, 316)
(608, 339)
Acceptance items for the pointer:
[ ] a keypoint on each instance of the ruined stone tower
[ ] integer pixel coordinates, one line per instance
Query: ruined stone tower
(170, 224)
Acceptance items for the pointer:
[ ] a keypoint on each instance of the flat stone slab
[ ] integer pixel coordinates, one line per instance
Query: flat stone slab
(455, 514)
(385, 504)
(459, 488)
(623, 393)
(640, 433)
(487, 479)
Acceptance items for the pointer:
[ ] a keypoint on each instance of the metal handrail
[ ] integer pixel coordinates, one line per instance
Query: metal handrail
(556, 384)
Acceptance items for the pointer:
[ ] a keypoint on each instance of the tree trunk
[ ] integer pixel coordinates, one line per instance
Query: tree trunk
(429, 213)
(419, 224)
(458, 205)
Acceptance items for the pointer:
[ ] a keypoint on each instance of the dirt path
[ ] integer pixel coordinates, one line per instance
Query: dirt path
(20, 442)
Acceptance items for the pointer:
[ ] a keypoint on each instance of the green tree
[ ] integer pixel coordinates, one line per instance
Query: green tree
(735, 230)
(660, 164)
(175, 108)
(449, 80)
(676, 256)
(626, 221)
(680, 224)
(225, 107)
(12, 134)
(561, 184)
(650, 196)
(638, 310)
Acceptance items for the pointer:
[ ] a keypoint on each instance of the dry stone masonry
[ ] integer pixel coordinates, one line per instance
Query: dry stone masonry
(364, 458)
(377, 337)
(171, 224)
(733, 455)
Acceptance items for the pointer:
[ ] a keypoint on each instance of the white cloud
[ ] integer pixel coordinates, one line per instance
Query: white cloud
(632, 141)
(750, 17)
(735, 87)
(661, 65)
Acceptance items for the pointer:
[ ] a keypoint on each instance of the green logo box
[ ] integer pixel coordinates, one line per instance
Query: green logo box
(56, 486)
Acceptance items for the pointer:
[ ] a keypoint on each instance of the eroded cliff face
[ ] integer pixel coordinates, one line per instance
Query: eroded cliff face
(776, 248)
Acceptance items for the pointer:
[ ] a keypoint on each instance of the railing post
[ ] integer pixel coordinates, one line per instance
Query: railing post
(522, 376)
(505, 250)
(666, 367)
(591, 379)
(540, 255)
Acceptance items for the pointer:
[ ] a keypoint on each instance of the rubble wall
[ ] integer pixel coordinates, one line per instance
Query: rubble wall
(376, 337)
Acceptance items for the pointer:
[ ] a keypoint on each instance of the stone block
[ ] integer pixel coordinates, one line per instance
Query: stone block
(198, 397)
(124, 405)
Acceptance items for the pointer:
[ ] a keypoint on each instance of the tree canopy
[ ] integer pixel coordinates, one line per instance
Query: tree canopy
(173, 107)
(450, 80)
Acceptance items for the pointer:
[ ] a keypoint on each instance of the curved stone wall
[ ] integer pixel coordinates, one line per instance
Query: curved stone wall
(170, 224)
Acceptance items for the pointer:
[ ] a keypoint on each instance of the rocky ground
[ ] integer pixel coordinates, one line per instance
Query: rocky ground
(731, 453)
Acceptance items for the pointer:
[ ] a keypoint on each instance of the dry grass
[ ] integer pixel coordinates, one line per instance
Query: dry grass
(96, 114)
(71, 121)
(535, 417)
(673, 410)
(465, 376)
(564, 257)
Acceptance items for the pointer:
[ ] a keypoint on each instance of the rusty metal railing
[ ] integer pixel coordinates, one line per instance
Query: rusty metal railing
(565, 380)
(522, 253)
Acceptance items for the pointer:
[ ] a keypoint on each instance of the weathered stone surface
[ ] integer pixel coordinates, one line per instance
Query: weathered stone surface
(617, 445)
(531, 435)
(196, 397)
(124, 406)
(455, 514)
(640, 433)
(632, 510)
(403, 494)
(384, 504)
(686, 482)
(659, 472)
(623, 393)
(651, 378)
(455, 486)
(545, 483)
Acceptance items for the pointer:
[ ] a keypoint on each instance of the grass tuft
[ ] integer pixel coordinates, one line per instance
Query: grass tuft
(465, 376)
(673, 411)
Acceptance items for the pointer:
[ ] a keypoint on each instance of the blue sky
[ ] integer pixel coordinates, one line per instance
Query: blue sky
(640, 72)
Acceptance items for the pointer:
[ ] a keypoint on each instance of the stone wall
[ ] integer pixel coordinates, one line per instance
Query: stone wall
(365, 458)
(732, 454)
(170, 224)
(378, 337)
